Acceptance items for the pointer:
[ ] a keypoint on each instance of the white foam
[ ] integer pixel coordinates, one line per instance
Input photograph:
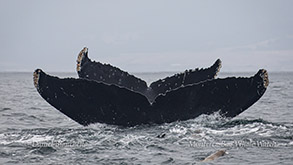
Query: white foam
(178, 130)
(29, 139)
(35, 139)
(130, 138)
(261, 129)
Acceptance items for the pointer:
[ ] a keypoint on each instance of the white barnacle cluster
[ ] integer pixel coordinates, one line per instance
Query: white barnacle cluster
(218, 68)
(80, 57)
(265, 78)
(36, 79)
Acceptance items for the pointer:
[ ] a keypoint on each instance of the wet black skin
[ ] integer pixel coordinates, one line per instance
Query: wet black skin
(109, 74)
(89, 101)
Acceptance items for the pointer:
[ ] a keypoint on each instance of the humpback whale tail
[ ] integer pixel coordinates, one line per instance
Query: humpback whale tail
(107, 94)
(89, 101)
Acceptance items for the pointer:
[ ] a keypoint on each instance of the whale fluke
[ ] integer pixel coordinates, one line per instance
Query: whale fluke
(186, 78)
(88, 101)
(106, 73)
(230, 96)
(86, 68)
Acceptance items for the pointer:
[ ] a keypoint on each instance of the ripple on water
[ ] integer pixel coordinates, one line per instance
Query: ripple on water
(5, 109)
(102, 139)
(43, 150)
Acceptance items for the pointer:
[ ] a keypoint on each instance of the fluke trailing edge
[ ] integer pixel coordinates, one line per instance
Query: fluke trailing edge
(86, 68)
(106, 94)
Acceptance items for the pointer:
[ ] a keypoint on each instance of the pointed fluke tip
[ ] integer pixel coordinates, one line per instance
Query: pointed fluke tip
(36, 77)
(263, 74)
(82, 54)
(218, 65)
(218, 61)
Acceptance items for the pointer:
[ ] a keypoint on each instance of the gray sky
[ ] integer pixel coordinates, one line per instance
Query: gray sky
(147, 35)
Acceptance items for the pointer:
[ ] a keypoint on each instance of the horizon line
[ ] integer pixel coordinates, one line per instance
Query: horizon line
(142, 72)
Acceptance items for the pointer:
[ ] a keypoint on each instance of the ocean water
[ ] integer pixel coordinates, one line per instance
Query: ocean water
(33, 132)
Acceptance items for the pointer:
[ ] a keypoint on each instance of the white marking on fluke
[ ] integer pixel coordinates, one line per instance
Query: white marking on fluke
(264, 75)
(36, 78)
(80, 56)
(218, 68)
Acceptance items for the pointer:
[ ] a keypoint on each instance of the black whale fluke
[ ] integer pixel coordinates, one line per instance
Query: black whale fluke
(88, 69)
(89, 101)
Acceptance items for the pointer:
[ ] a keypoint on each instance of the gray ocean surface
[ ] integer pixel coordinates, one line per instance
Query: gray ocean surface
(33, 132)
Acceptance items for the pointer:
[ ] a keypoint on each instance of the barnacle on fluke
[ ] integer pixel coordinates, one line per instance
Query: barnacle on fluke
(106, 94)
